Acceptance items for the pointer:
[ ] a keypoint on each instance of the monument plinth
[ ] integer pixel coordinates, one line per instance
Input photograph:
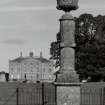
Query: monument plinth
(67, 71)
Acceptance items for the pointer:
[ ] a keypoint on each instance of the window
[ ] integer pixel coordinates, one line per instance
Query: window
(19, 69)
(31, 70)
(37, 69)
(37, 75)
(11, 64)
(37, 63)
(31, 77)
(11, 69)
(43, 69)
(43, 76)
(50, 65)
(50, 70)
(31, 63)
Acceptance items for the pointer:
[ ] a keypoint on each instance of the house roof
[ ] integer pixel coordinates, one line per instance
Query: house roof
(20, 59)
(43, 60)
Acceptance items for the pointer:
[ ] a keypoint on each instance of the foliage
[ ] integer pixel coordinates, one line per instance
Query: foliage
(90, 49)
(55, 50)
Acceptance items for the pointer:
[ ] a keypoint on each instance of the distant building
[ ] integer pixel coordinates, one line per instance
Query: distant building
(31, 68)
(4, 76)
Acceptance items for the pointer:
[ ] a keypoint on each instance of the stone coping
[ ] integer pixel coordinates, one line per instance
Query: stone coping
(67, 84)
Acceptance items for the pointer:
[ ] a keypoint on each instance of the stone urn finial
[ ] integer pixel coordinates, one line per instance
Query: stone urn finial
(67, 5)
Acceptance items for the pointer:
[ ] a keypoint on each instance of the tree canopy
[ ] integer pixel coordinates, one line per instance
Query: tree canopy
(90, 49)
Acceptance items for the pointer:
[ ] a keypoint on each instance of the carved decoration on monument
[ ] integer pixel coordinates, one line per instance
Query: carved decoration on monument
(67, 5)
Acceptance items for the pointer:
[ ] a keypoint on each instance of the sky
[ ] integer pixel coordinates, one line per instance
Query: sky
(31, 25)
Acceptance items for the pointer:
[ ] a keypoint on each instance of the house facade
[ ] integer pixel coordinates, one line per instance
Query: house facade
(31, 68)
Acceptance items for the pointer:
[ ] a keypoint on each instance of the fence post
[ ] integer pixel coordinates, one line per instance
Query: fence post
(42, 93)
(103, 96)
(17, 91)
(55, 94)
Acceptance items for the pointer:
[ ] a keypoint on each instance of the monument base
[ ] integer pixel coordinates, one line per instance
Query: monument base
(68, 93)
(67, 77)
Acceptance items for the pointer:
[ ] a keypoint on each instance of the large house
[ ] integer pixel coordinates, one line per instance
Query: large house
(31, 68)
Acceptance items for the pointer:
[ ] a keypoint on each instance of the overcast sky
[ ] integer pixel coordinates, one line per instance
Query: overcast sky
(31, 25)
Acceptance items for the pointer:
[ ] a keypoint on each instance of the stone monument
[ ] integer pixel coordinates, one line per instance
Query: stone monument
(67, 82)
(67, 73)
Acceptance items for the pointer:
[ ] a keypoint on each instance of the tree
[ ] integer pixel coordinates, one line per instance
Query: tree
(85, 33)
(55, 50)
(90, 49)
(85, 28)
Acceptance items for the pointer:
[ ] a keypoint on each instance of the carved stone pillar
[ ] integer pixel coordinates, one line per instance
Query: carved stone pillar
(67, 71)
